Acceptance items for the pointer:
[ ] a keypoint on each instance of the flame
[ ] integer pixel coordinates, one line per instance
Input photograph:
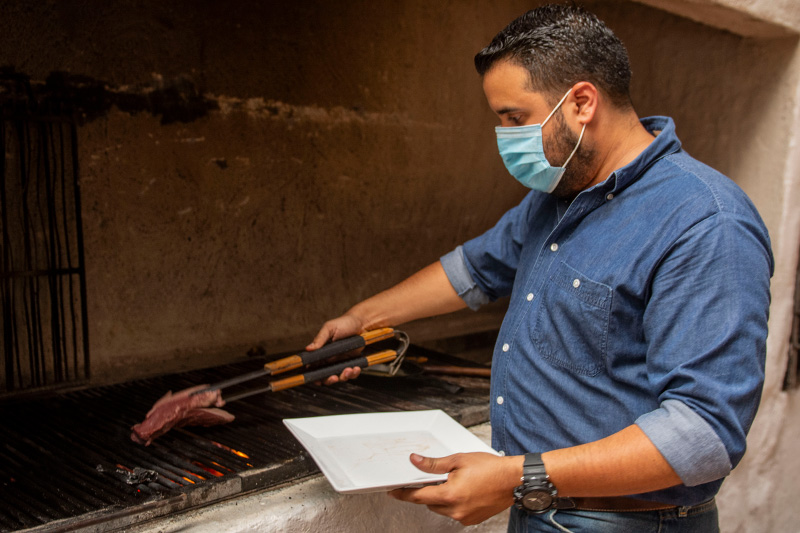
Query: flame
(210, 470)
(222, 467)
(228, 448)
(189, 480)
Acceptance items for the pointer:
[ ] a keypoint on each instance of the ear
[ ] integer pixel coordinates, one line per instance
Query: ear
(583, 102)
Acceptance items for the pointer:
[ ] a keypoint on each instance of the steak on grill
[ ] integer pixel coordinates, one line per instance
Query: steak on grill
(181, 409)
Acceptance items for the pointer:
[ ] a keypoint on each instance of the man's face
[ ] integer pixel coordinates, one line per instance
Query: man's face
(506, 89)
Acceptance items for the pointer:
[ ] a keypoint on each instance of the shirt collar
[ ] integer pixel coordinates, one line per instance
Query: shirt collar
(665, 143)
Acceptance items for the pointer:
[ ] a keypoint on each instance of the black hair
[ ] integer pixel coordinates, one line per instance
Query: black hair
(561, 45)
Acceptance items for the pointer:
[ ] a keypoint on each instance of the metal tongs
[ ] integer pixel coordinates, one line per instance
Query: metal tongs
(199, 405)
(385, 362)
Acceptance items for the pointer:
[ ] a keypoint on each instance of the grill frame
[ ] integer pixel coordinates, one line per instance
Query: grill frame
(90, 492)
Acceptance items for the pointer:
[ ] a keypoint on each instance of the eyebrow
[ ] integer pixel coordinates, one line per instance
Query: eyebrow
(506, 110)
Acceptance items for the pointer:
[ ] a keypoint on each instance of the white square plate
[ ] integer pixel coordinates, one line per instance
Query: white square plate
(369, 452)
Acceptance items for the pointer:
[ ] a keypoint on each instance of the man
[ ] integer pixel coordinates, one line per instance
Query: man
(629, 366)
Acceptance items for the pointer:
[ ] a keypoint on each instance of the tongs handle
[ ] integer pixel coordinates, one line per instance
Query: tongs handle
(386, 356)
(298, 361)
(311, 376)
(329, 350)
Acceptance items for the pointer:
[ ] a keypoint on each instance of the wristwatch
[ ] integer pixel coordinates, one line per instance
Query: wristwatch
(536, 494)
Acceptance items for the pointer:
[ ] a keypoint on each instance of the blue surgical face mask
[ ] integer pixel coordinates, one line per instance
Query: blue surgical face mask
(523, 154)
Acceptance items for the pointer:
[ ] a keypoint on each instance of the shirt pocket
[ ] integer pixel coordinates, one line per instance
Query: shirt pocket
(571, 326)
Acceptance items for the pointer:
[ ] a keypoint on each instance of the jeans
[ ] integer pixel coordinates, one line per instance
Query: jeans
(701, 518)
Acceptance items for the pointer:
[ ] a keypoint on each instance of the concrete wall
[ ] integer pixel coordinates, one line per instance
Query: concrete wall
(343, 150)
(312, 153)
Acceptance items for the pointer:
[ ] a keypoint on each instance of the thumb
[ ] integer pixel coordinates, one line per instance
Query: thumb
(319, 341)
(434, 465)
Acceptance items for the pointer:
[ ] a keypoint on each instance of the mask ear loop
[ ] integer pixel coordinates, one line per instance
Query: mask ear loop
(556, 107)
(576, 147)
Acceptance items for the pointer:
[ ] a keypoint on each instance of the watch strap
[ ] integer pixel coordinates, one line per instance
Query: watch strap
(535, 478)
(533, 465)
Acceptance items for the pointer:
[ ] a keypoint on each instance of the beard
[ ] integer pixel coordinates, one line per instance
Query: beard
(578, 173)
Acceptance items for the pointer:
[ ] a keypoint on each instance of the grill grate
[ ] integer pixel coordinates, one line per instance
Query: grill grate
(67, 462)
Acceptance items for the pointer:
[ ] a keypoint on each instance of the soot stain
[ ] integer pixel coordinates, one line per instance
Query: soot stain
(174, 100)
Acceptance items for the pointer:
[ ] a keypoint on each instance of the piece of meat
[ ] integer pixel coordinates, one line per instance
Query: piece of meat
(207, 417)
(181, 409)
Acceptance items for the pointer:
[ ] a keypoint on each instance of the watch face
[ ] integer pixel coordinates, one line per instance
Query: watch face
(537, 500)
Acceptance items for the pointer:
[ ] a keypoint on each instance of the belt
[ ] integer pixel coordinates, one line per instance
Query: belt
(612, 504)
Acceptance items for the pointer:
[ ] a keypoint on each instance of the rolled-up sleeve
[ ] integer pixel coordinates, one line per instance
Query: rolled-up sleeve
(457, 272)
(687, 442)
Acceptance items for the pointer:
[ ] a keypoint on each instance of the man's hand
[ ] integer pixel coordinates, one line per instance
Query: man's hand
(424, 294)
(479, 485)
(342, 327)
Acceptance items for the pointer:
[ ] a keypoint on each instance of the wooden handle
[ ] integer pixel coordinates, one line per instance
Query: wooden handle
(386, 356)
(458, 370)
(377, 335)
(284, 365)
(287, 383)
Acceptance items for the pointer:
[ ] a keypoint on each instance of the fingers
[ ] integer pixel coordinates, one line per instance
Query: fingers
(443, 500)
(432, 495)
(479, 485)
(323, 336)
(434, 465)
(347, 373)
(338, 328)
(350, 373)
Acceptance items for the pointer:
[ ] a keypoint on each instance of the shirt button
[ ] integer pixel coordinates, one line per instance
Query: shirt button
(506, 347)
(554, 247)
(576, 283)
(501, 453)
(499, 400)
(610, 196)
(530, 296)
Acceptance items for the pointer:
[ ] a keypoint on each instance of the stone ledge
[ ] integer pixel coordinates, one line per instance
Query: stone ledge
(749, 18)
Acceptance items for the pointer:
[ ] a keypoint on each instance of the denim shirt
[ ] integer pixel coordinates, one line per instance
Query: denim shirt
(643, 301)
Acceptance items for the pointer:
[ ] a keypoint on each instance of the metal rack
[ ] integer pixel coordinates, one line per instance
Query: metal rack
(45, 341)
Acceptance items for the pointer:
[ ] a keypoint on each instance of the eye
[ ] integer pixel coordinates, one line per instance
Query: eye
(516, 120)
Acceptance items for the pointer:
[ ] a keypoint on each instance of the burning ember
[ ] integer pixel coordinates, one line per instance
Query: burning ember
(210, 470)
(227, 448)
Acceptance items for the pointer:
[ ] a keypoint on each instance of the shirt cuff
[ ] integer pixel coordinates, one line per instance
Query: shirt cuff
(687, 442)
(455, 266)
